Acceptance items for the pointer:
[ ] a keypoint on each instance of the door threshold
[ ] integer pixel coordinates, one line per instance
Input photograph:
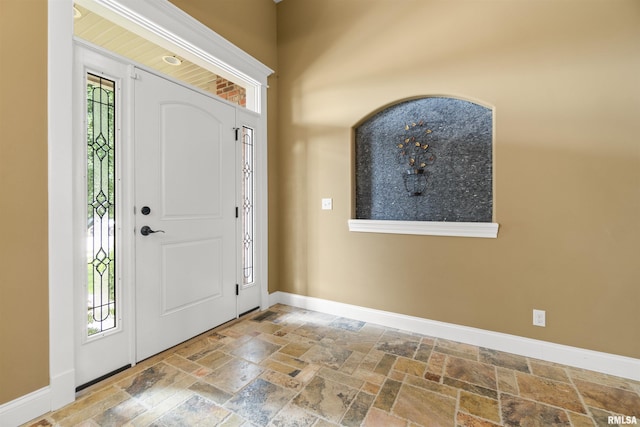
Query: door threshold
(249, 311)
(104, 377)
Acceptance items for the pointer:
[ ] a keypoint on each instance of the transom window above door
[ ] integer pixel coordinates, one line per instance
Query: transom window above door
(96, 29)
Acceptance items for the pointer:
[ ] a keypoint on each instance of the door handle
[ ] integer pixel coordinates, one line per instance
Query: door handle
(146, 230)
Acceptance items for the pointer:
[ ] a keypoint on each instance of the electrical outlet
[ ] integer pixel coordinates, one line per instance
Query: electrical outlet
(327, 204)
(539, 318)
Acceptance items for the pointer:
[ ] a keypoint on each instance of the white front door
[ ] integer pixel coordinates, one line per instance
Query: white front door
(185, 213)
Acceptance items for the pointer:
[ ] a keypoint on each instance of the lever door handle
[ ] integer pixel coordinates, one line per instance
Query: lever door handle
(146, 230)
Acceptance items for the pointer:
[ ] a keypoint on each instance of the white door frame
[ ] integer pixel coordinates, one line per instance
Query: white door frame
(168, 23)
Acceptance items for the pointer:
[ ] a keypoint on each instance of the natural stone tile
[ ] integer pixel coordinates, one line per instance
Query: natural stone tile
(296, 349)
(359, 343)
(274, 365)
(472, 372)
(374, 376)
(182, 363)
(333, 357)
(461, 350)
(548, 391)
(288, 360)
(397, 346)
(155, 377)
(214, 360)
(161, 408)
(609, 398)
(265, 315)
(424, 407)
(369, 376)
(340, 377)
(505, 360)
(466, 420)
(293, 416)
(547, 370)
(424, 352)
(507, 382)
(387, 396)
(432, 386)
(384, 365)
(111, 395)
(270, 337)
(371, 388)
(358, 410)
(197, 349)
(520, 412)
(410, 366)
(371, 360)
(156, 396)
(210, 392)
(353, 362)
(234, 375)
(260, 401)
(235, 420)
(396, 375)
(379, 418)
(282, 380)
(326, 398)
(120, 414)
(579, 420)
(347, 324)
(371, 330)
(255, 350)
(195, 411)
(603, 379)
(436, 364)
(480, 406)
(41, 423)
(601, 418)
(432, 377)
(307, 373)
(462, 385)
(312, 332)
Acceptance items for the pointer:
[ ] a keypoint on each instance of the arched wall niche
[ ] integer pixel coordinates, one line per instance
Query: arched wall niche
(425, 161)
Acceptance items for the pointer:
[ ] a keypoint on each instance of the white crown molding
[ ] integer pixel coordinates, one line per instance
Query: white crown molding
(428, 228)
(610, 364)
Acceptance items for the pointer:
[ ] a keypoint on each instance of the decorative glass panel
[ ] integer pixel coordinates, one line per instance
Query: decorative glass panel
(101, 208)
(248, 196)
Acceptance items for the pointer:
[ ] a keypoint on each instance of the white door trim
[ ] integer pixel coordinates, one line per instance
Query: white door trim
(171, 23)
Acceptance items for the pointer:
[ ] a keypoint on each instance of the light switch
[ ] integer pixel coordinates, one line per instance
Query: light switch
(327, 204)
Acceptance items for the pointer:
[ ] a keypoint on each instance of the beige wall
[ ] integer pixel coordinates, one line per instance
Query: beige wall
(562, 77)
(24, 330)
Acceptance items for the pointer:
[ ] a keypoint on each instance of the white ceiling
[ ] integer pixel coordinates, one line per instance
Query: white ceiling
(99, 31)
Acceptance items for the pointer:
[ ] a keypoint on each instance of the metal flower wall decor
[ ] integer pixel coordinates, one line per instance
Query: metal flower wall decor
(413, 151)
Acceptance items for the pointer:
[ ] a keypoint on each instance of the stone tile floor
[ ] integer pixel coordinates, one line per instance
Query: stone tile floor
(292, 367)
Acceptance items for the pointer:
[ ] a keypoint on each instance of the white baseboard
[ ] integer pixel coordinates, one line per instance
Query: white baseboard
(611, 364)
(25, 408)
(59, 393)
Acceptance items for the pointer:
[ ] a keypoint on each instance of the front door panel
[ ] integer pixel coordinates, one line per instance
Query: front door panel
(185, 177)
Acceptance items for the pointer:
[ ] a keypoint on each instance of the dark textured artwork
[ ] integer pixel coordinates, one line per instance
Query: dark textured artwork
(427, 159)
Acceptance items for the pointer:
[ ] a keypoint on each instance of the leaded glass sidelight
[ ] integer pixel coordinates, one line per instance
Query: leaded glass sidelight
(101, 208)
(248, 196)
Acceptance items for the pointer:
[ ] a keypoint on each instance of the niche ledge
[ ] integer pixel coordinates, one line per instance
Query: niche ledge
(428, 228)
